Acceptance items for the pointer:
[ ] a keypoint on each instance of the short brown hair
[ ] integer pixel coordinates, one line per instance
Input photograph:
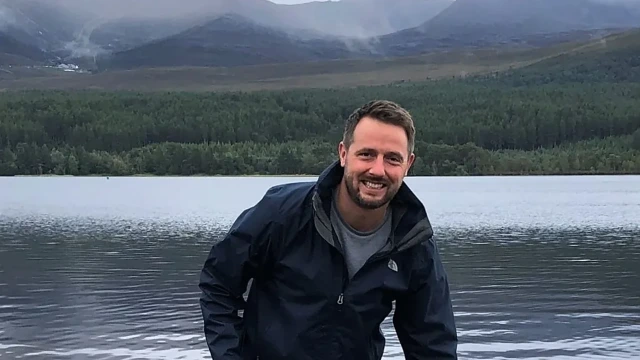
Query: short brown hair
(386, 111)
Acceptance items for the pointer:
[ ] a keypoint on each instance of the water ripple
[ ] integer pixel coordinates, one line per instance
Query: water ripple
(127, 289)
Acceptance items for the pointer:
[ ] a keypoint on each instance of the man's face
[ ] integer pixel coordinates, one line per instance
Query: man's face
(376, 163)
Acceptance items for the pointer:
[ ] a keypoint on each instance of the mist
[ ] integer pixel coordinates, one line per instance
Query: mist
(114, 9)
(94, 27)
(7, 17)
(356, 22)
(353, 18)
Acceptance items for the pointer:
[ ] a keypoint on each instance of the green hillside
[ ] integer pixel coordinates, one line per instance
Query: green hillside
(615, 59)
(562, 122)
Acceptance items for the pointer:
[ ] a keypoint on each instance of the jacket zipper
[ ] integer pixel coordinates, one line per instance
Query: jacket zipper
(345, 268)
(346, 283)
(346, 280)
(345, 275)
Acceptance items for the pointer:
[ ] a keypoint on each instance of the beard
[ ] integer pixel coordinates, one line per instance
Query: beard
(353, 183)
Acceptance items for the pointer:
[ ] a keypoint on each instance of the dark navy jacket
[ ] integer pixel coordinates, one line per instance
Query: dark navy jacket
(302, 304)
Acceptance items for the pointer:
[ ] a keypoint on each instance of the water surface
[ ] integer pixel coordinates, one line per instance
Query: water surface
(540, 267)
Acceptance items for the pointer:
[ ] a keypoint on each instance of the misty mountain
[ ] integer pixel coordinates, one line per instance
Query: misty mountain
(539, 16)
(13, 52)
(39, 24)
(230, 40)
(124, 34)
(360, 18)
(121, 34)
(352, 18)
(21, 37)
(70, 29)
(235, 40)
(317, 19)
(482, 23)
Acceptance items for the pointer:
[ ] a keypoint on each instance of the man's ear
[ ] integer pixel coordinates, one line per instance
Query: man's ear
(342, 153)
(410, 161)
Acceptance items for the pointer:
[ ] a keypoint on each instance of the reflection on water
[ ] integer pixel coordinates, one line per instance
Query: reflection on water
(127, 289)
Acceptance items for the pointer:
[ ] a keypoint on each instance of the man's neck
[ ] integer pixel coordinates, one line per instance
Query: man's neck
(360, 219)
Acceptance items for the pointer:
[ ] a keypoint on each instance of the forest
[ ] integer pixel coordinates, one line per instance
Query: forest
(566, 121)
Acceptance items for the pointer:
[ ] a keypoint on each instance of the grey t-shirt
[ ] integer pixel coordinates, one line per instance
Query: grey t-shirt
(359, 246)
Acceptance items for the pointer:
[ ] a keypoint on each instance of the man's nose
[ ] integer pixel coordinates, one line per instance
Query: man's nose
(377, 168)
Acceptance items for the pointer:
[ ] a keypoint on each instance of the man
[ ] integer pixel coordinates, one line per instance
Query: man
(328, 258)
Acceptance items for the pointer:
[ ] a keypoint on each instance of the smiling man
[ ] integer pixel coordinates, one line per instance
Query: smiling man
(329, 258)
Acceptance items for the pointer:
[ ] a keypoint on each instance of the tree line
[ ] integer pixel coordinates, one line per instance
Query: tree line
(471, 126)
(492, 117)
(615, 155)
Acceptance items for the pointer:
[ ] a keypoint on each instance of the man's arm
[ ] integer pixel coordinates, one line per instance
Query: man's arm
(238, 257)
(423, 317)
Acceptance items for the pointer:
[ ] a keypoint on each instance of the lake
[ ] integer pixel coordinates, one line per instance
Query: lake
(540, 267)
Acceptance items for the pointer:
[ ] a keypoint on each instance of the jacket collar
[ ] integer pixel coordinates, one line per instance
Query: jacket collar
(411, 223)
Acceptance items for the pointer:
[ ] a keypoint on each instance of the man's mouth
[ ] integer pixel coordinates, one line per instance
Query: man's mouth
(373, 185)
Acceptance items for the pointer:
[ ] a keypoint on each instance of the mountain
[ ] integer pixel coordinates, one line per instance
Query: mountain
(481, 23)
(37, 31)
(317, 19)
(39, 23)
(351, 18)
(80, 31)
(359, 18)
(465, 23)
(229, 40)
(13, 52)
(614, 58)
(527, 17)
(116, 34)
(125, 34)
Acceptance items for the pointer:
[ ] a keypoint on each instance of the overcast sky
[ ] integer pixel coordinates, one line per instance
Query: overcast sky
(290, 1)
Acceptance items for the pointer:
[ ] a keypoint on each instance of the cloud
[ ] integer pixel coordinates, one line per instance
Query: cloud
(113, 9)
(7, 17)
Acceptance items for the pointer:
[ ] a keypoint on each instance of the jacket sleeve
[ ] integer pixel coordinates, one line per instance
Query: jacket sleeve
(231, 263)
(423, 317)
